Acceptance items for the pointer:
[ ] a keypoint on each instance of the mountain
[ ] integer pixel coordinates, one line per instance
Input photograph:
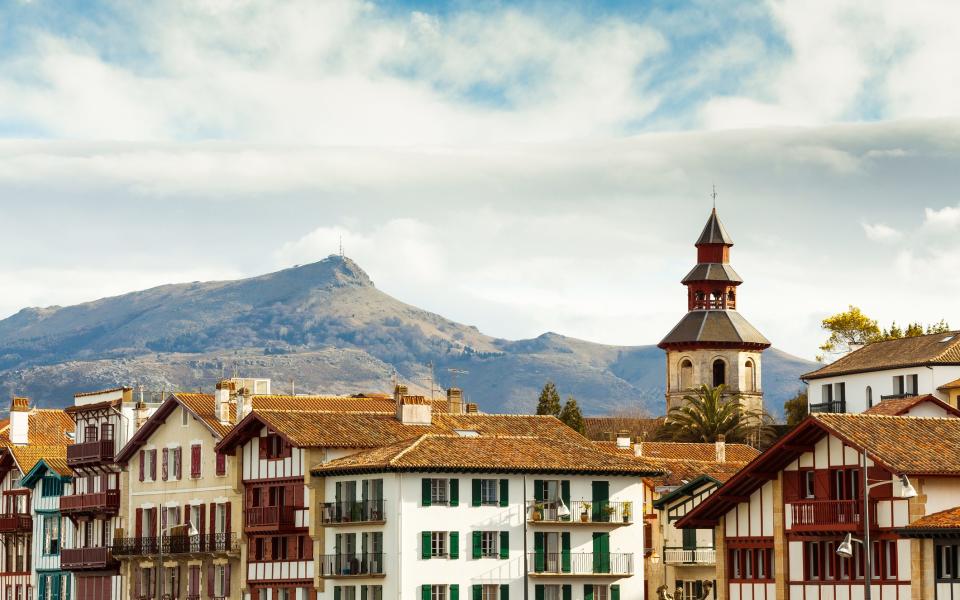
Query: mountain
(323, 327)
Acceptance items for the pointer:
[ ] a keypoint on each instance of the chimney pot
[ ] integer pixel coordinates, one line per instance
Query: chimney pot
(20, 421)
(721, 447)
(455, 401)
(638, 449)
(623, 439)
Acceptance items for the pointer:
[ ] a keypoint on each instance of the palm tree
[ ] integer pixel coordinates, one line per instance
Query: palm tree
(707, 415)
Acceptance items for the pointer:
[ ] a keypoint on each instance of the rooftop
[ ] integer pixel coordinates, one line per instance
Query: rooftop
(718, 327)
(714, 232)
(924, 350)
(898, 407)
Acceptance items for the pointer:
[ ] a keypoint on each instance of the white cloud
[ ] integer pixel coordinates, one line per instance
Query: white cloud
(945, 219)
(879, 232)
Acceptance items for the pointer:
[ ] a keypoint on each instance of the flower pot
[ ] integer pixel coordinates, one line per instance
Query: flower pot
(584, 517)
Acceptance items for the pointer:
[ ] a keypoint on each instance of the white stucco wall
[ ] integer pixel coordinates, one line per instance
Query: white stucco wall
(881, 382)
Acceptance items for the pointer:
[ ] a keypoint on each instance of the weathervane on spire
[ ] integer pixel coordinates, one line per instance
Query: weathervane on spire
(714, 196)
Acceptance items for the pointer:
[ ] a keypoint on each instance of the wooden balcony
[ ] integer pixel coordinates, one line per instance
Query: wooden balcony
(580, 512)
(580, 564)
(90, 453)
(177, 545)
(689, 556)
(86, 559)
(16, 523)
(97, 503)
(270, 518)
(828, 516)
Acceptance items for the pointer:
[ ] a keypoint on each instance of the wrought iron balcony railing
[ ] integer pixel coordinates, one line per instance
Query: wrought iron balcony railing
(364, 511)
(616, 564)
(351, 565)
(208, 543)
(580, 511)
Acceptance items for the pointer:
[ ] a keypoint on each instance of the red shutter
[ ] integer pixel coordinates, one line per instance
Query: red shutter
(791, 485)
(139, 581)
(226, 580)
(821, 483)
(194, 584)
(186, 515)
(139, 524)
(177, 463)
(142, 463)
(226, 507)
(221, 463)
(202, 526)
(153, 522)
(213, 518)
(211, 574)
(262, 441)
(195, 458)
(153, 465)
(163, 467)
(163, 521)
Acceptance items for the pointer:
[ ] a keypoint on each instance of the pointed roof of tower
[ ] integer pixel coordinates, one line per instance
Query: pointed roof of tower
(713, 232)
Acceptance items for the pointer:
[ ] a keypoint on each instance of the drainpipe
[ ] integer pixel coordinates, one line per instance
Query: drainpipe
(399, 536)
(523, 519)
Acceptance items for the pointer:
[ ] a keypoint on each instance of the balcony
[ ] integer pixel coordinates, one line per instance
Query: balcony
(15, 523)
(677, 555)
(209, 543)
(270, 518)
(97, 503)
(343, 513)
(334, 566)
(837, 406)
(90, 453)
(826, 515)
(580, 564)
(581, 512)
(86, 559)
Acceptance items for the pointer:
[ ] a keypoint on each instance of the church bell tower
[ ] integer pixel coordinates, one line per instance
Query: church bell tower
(713, 344)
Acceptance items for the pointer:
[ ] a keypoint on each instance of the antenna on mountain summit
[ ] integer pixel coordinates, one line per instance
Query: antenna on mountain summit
(341, 245)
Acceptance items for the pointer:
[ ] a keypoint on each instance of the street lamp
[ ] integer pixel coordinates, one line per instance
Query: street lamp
(845, 549)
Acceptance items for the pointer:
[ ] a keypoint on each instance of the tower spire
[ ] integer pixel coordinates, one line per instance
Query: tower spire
(714, 196)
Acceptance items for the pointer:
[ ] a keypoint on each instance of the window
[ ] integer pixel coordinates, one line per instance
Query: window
(438, 543)
(151, 466)
(912, 384)
(374, 592)
(946, 557)
(719, 374)
(488, 544)
(601, 592)
(438, 491)
(221, 464)
(686, 374)
(551, 592)
(488, 491)
(184, 417)
(869, 396)
(195, 461)
(840, 392)
(749, 376)
(821, 562)
(51, 486)
(438, 592)
(813, 561)
(751, 564)
(898, 385)
(221, 581)
(809, 489)
(490, 592)
(273, 447)
(826, 393)
(51, 534)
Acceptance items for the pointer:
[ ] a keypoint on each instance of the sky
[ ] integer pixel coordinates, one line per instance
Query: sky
(522, 167)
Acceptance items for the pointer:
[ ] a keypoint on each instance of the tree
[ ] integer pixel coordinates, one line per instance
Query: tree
(571, 416)
(549, 401)
(847, 330)
(707, 415)
(796, 409)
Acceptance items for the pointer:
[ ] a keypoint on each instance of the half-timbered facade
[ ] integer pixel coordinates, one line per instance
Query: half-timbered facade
(30, 435)
(105, 421)
(47, 481)
(779, 523)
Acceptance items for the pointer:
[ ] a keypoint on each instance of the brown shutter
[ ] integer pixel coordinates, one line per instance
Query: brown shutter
(177, 464)
(153, 465)
(142, 463)
(138, 526)
(226, 580)
(226, 507)
(211, 574)
(213, 518)
(202, 526)
(821, 483)
(163, 467)
(791, 485)
(153, 522)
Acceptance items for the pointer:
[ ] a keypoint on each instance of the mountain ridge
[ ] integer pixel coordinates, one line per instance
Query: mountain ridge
(326, 326)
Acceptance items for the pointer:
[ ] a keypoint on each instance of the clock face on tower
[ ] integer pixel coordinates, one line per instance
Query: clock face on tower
(713, 344)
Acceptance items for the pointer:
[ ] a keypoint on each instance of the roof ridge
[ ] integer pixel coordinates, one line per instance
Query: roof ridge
(410, 447)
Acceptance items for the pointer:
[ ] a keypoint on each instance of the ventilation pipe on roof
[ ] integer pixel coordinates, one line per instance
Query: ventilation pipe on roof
(20, 421)
(721, 445)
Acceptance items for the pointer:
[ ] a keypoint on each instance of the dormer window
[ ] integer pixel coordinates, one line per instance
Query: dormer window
(273, 447)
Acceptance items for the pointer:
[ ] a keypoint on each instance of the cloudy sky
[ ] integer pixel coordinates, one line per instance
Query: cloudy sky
(519, 166)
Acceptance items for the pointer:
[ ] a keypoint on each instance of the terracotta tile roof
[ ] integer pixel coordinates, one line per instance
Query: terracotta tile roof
(698, 451)
(945, 519)
(94, 406)
(28, 456)
(897, 407)
(58, 464)
(910, 445)
(325, 403)
(606, 428)
(950, 385)
(933, 349)
(685, 461)
(678, 472)
(495, 454)
(47, 426)
(94, 393)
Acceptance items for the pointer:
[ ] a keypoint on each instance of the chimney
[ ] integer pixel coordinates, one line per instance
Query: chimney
(399, 391)
(141, 412)
(413, 410)
(721, 445)
(20, 421)
(455, 401)
(638, 449)
(623, 439)
(244, 403)
(221, 399)
(471, 408)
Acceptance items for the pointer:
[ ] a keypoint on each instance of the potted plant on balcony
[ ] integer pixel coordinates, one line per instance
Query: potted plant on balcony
(627, 508)
(537, 511)
(585, 512)
(608, 510)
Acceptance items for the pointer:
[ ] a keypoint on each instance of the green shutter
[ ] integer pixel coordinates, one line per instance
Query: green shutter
(601, 552)
(68, 580)
(476, 492)
(476, 544)
(454, 492)
(454, 591)
(363, 592)
(425, 492)
(539, 592)
(477, 591)
(601, 498)
(568, 592)
(539, 559)
(504, 544)
(538, 490)
(55, 580)
(425, 592)
(565, 551)
(504, 592)
(454, 544)
(336, 592)
(614, 592)
(504, 492)
(689, 539)
(42, 587)
(425, 542)
(565, 492)
(587, 591)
